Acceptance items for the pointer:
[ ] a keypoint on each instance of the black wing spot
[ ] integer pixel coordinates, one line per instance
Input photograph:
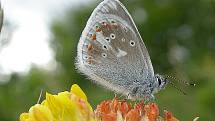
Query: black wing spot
(104, 55)
(112, 36)
(105, 47)
(107, 39)
(132, 43)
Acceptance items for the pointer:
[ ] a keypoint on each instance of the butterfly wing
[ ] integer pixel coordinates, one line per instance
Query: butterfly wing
(111, 50)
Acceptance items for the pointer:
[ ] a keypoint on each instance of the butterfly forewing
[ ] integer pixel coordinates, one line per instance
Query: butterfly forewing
(111, 51)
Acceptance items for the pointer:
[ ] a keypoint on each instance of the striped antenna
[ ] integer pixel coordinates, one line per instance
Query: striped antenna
(179, 89)
(181, 81)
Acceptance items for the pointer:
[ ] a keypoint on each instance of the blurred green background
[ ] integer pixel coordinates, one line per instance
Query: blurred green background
(180, 38)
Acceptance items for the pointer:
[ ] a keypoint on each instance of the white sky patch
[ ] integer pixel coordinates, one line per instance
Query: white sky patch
(29, 44)
(27, 47)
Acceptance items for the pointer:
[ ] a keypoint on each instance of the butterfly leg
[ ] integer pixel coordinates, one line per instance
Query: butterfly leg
(119, 97)
(130, 97)
(149, 98)
(141, 93)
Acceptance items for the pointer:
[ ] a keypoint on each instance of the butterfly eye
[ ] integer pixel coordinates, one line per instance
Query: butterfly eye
(132, 43)
(104, 55)
(112, 36)
(159, 81)
(107, 39)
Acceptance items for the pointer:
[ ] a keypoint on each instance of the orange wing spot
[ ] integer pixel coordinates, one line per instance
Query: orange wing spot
(98, 30)
(93, 37)
(90, 47)
(106, 25)
(109, 26)
(90, 62)
(114, 25)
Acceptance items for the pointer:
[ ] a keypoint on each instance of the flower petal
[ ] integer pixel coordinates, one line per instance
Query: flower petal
(109, 117)
(23, 117)
(75, 89)
(40, 113)
(133, 115)
(152, 111)
(169, 116)
(61, 106)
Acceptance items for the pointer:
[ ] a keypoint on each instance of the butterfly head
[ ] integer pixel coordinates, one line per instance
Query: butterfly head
(160, 83)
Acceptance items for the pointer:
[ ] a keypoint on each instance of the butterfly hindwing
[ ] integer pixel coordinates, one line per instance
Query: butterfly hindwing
(111, 51)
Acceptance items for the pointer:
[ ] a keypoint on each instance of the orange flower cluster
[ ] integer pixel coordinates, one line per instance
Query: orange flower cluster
(115, 110)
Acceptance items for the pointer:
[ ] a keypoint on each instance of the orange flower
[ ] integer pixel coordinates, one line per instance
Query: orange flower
(169, 116)
(112, 110)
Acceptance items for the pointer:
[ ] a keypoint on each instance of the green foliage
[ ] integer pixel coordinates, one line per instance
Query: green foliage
(179, 35)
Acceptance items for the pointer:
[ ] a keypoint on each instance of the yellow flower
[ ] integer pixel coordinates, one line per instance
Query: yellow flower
(37, 113)
(66, 106)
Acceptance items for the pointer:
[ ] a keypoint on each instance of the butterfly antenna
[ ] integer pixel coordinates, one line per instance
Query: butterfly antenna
(41, 92)
(181, 81)
(177, 88)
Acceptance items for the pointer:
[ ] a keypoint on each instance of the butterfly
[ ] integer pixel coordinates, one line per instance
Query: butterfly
(112, 53)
